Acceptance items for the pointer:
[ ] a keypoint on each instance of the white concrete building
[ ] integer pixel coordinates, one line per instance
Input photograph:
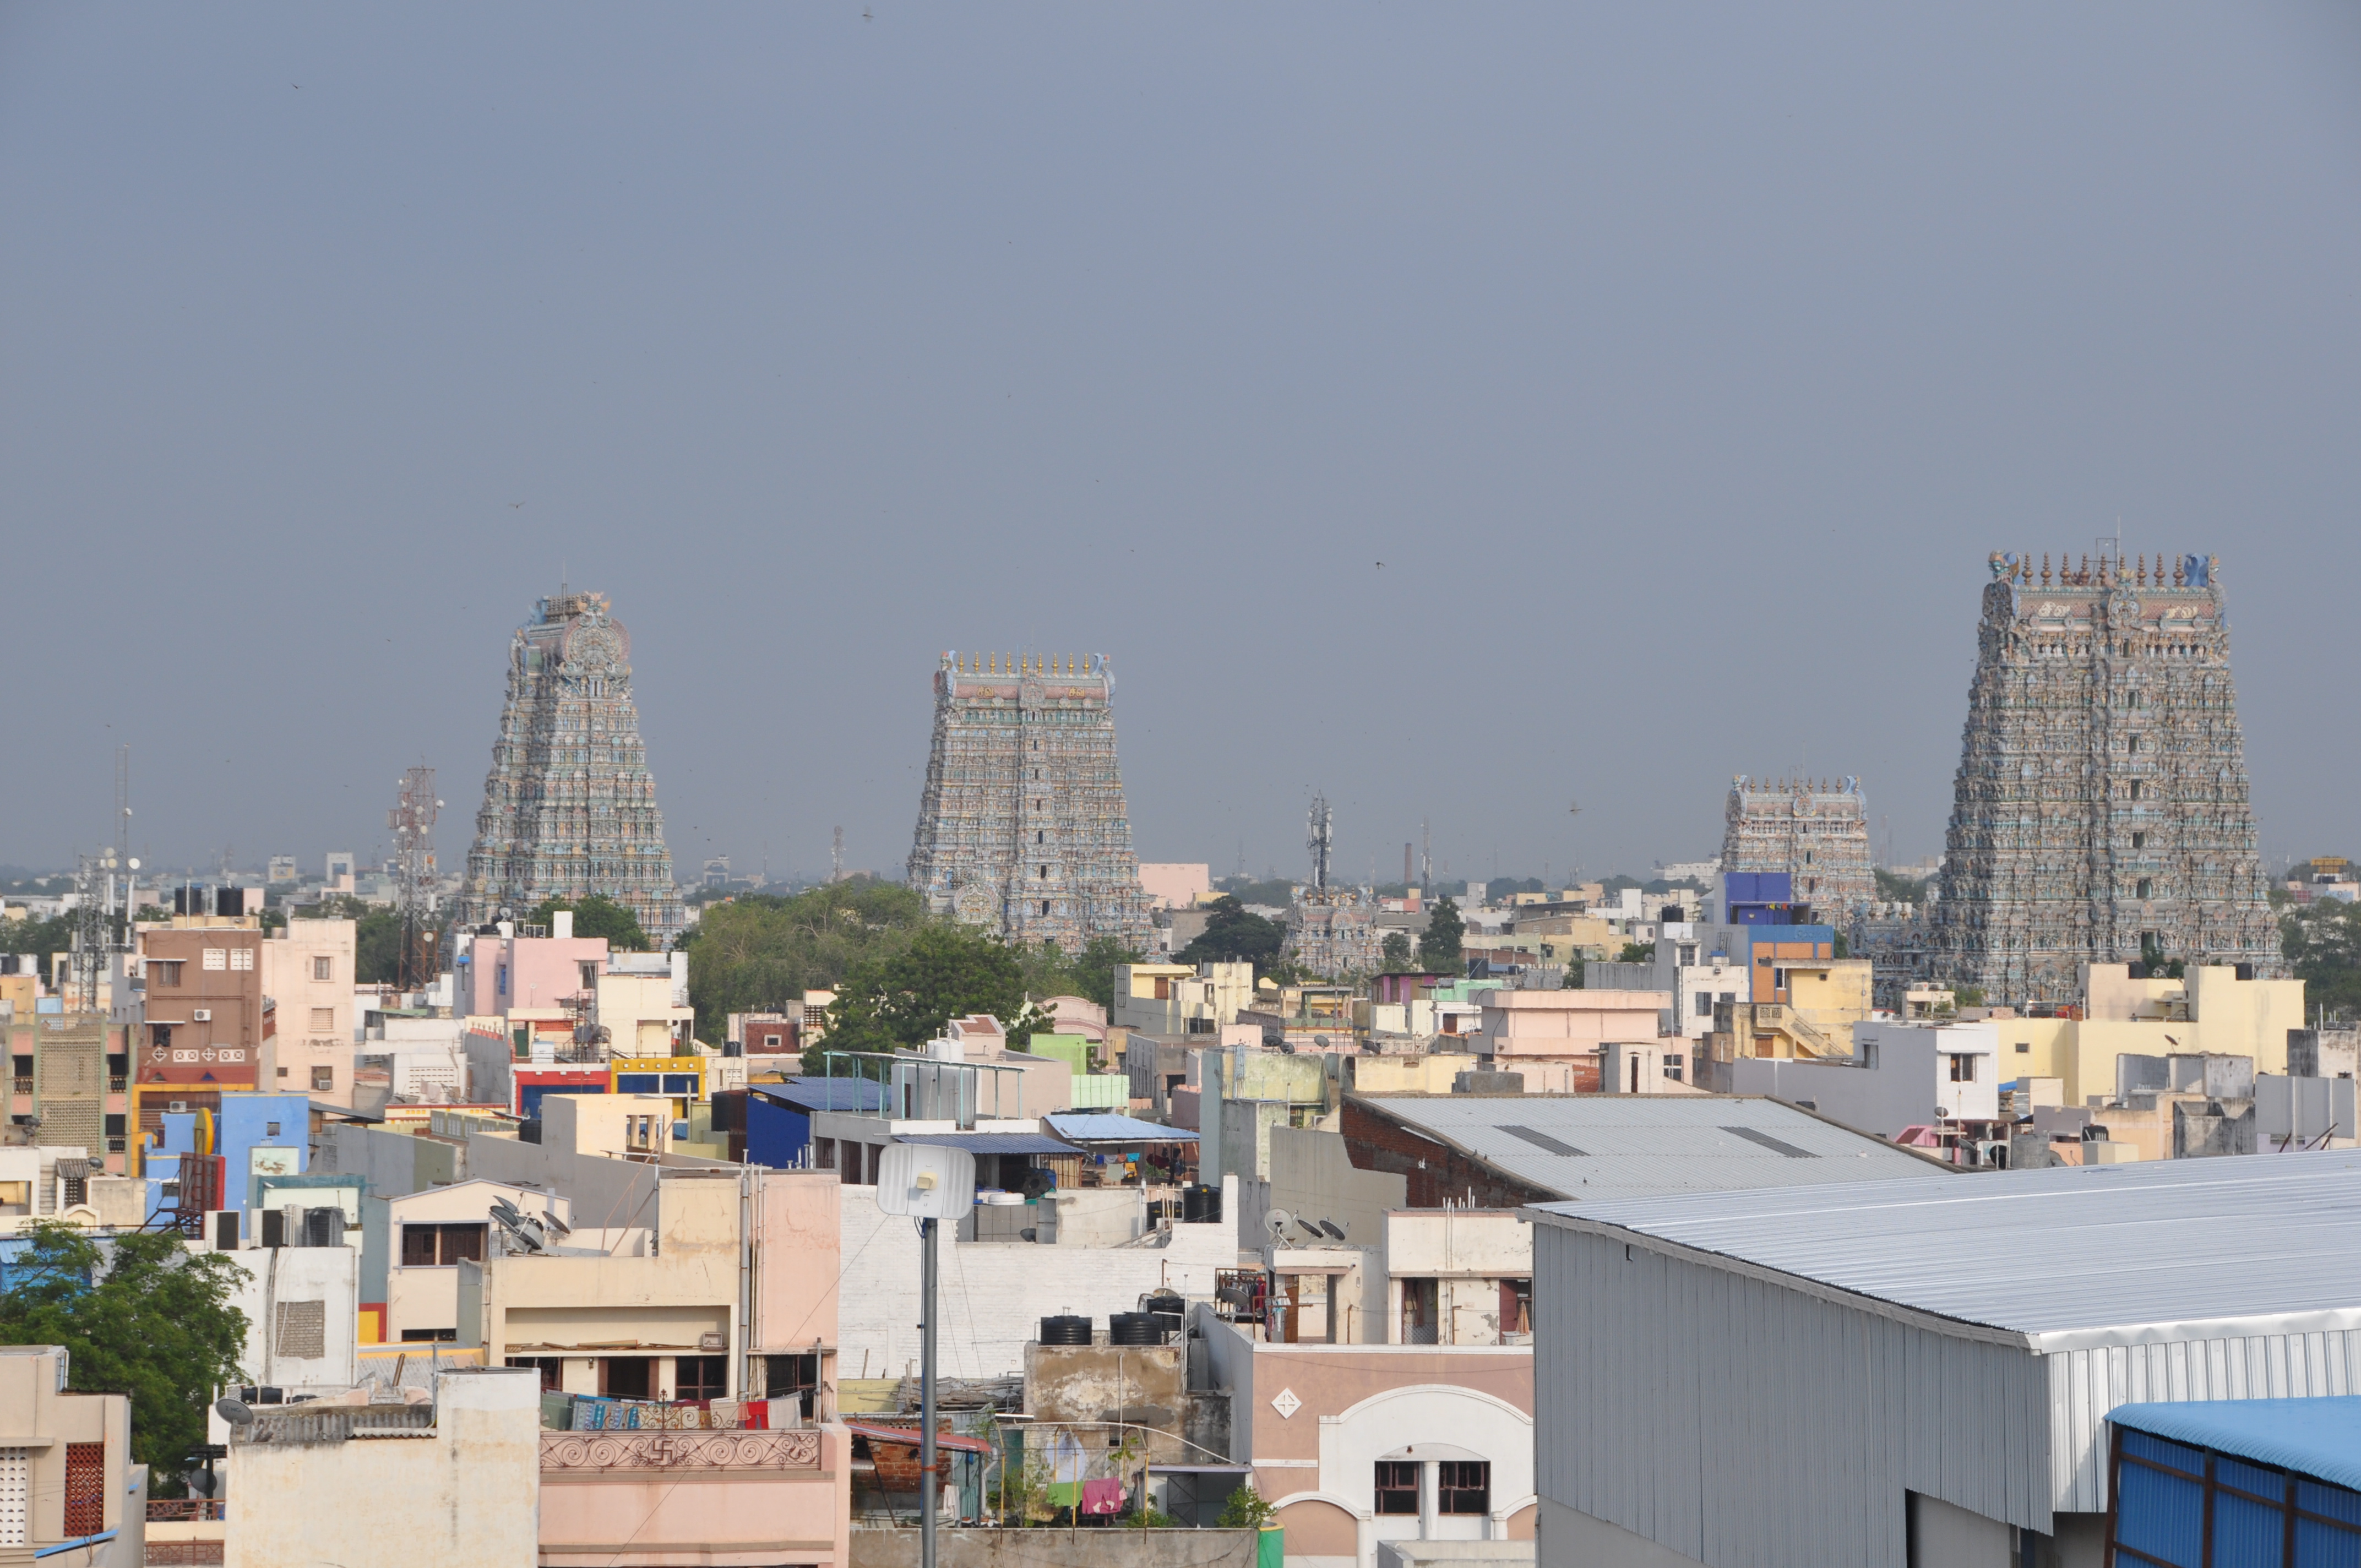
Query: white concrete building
(1901, 1075)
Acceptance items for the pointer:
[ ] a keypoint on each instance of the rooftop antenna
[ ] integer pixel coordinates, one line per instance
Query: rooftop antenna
(412, 822)
(1320, 841)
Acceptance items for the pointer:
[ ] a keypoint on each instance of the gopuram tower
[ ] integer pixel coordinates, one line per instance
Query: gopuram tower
(569, 808)
(1022, 829)
(2101, 813)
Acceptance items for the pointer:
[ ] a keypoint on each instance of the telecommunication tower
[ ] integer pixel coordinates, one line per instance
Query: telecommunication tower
(836, 856)
(412, 822)
(1321, 842)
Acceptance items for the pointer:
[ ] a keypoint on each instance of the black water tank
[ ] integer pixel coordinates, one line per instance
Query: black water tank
(1135, 1329)
(1065, 1330)
(1200, 1205)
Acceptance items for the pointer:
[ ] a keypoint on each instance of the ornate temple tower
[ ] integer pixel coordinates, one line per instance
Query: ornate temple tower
(1022, 827)
(569, 808)
(2101, 810)
(1817, 833)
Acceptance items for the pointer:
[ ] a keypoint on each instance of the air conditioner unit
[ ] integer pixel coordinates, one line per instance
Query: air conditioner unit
(201, 1015)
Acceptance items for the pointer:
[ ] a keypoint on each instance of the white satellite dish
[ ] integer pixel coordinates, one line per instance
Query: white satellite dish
(1277, 1222)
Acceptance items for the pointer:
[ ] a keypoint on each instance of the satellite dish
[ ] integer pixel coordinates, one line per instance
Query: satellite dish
(235, 1411)
(1333, 1228)
(1277, 1222)
(554, 1224)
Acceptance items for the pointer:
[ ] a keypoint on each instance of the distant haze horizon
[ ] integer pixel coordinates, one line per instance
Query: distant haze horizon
(1463, 416)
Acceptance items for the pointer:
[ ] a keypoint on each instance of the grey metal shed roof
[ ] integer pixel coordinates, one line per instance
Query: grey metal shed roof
(2069, 1257)
(1593, 1147)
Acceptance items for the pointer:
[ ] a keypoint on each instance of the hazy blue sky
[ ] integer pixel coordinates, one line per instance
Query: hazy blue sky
(1681, 365)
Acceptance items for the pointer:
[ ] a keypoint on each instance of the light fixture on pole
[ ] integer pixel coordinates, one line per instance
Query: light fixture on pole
(930, 1183)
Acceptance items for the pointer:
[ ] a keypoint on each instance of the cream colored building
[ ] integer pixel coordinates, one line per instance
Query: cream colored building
(1171, 1000)
(430, 1233)
(307, 973)
(66, 1475)
(457, 1481)
(2212, 1012)
(1458, 1277)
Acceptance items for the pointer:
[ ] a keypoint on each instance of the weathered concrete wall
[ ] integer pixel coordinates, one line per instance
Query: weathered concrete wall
(1094, 1548)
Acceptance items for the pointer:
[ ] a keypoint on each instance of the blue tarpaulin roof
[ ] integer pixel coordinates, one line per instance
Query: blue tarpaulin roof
(989, 1142)
(1086, 1128)
(2317, 1437)
(824, 1093)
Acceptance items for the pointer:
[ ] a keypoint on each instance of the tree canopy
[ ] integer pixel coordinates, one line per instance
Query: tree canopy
(146, 1318)
(2322, 942)
(1443, 947)
(894, 1000)
(376, 933)
(761, 952)
(1234, 934)
(54, 935)
(596, 917)
(1396, 950)
(1050, 971)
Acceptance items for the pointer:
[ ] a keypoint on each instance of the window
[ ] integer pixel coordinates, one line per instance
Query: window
(241, 957)
(324, 968)
(2144, 888)
(217, 958)
(73, 1189)
(2024, 1048)
(1463, 1486)
(428, 1246)
(1397, 1487)
(324, 1020)
(2139, 840)
(269, 1129)
(2135, 783)
(323, 1079)
(2131, 745)
(1963, 1070)
(164, 972)
(429, 1336)
(700, 1378)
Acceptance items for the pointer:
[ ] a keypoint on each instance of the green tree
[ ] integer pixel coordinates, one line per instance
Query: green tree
(1894, 888)
(901, 999)
(761, 952)
(1396, 951)
(2322, 942)
(146, 1318)
(1443, 947)
(54, 935)
(1233, 934)
(1246, 1509)
(1639, 953)
(596, 917)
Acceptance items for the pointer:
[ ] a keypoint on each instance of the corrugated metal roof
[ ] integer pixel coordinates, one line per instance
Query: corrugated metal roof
(989, 1142)
(2070, 1258)
(1084, 1128)
(1592, 1147)
(823, 1093)
(2318, 1437)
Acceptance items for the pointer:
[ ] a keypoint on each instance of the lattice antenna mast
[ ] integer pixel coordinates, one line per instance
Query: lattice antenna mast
(1321, 842)
(94, 877)
(412, 823)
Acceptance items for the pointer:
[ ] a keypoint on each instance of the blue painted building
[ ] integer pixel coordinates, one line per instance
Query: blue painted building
(778, 1115)
(255, 1136)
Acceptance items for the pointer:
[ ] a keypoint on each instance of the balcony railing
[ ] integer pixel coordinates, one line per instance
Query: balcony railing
(166, 1510)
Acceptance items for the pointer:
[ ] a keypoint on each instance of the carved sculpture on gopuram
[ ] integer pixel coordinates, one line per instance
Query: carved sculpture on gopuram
(1022, 829)
(2101, 813)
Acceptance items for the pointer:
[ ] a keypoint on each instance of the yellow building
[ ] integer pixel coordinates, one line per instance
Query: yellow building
(1817, 1002)
(2213, 1011)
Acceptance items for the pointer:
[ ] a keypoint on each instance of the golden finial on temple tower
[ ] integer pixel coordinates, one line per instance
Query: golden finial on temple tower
(2045, 568)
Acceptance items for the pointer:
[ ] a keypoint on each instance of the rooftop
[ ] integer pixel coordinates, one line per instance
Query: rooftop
(2068, 1257)
(1595, 1147)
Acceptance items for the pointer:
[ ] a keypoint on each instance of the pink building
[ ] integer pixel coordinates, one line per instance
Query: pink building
(712, 1499)
(528, 975)
(1560, 1026)
(1362, 1443)
(1175, 884)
